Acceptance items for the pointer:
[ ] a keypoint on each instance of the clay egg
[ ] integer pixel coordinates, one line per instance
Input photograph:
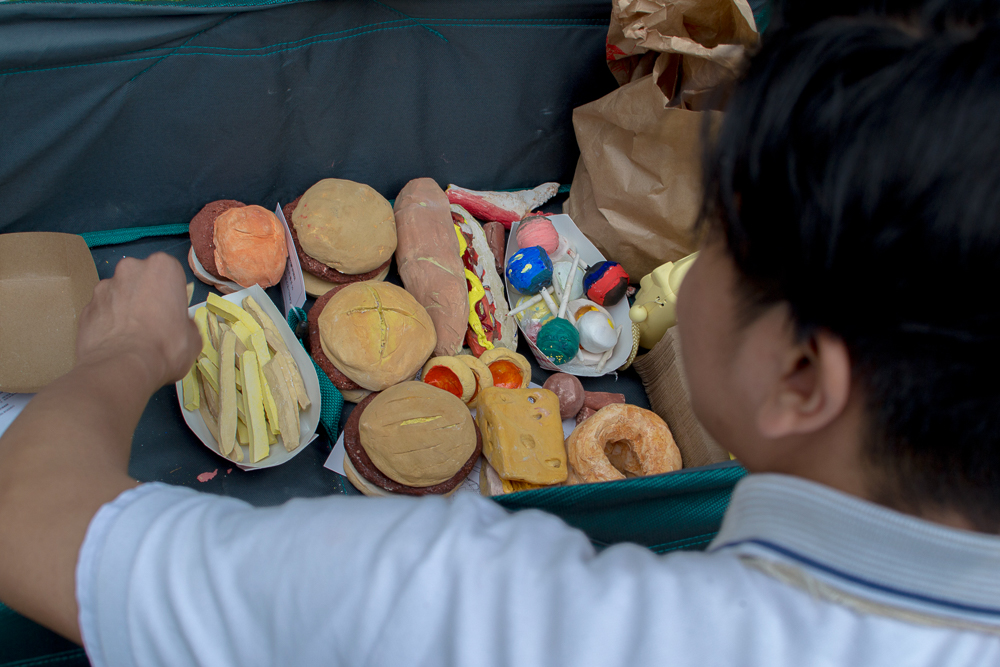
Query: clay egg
(559, 341)
(560, 271)
(606, 283)
(537, 231)
(597, 332)
(529, 270)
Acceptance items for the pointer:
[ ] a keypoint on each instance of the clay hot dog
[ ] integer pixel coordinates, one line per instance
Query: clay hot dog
(429, 261)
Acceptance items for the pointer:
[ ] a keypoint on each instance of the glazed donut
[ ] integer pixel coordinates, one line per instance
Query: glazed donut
(621, 440)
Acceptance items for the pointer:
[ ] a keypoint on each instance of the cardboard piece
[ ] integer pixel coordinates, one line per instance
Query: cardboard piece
(46, 280)
(619, 312)
(662, 375)
(637, 188)
(308, 419)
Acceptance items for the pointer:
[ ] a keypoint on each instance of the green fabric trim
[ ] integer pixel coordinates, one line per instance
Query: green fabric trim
(116, 236)
(331, 400)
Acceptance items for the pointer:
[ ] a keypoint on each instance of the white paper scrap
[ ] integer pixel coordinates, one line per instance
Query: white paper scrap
(293, 285)
(10, 407)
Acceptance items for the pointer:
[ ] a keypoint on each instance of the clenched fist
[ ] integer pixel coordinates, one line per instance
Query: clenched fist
(141, 311)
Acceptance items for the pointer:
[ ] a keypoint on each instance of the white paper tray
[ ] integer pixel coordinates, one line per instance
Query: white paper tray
(619, 312)
(308, 419)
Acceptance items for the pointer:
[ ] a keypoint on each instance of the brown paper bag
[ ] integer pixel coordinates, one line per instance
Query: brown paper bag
(637, 186)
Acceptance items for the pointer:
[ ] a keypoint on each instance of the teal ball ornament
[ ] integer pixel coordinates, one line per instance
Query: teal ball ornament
(529, 270)
(559, 341)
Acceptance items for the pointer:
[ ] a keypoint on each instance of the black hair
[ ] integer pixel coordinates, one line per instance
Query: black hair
(856, 177)
(936, 14)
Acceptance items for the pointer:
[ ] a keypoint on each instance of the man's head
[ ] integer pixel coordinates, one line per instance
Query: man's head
(850, 285)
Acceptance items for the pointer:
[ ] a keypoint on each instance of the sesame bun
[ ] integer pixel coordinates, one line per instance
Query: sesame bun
(345, 225)
(376, 334)
(397, 435)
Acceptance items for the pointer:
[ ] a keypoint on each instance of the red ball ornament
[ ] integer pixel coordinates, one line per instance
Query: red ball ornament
(605, 283)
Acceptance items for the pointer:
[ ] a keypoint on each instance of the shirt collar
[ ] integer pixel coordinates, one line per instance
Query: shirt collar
(864, 547)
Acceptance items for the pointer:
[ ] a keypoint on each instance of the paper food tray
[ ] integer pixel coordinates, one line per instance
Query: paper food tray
(589, 255)
(308, 419)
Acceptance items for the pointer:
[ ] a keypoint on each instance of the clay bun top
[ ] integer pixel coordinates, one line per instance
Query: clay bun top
(417, 435)
(376, 334)
(250, 246)
(346, 225)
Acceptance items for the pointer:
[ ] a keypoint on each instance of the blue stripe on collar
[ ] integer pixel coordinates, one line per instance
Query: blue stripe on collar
(861, 581)
(873, 550)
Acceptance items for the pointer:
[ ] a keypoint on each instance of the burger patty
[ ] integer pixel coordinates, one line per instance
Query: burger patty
(339, 380)
(363, 463)
(318, 268)
(202, 230)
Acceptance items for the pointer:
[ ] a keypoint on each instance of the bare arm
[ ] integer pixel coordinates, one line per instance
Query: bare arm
(67, 453)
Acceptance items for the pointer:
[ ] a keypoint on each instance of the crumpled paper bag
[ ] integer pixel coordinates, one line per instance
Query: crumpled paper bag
(637, 187)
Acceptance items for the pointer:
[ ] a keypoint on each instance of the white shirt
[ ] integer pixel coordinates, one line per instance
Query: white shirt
(799, 575)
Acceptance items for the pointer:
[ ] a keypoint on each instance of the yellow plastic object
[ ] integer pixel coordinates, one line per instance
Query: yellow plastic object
(655, 308)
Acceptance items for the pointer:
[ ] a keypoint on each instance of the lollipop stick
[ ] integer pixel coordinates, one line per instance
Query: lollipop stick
(548, 300)
(607, 355)
(569, 285)
(526, 305)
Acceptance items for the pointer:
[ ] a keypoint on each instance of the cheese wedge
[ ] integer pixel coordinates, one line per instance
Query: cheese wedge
(522, 434)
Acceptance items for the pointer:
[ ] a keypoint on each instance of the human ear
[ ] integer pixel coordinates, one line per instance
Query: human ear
(812, 390)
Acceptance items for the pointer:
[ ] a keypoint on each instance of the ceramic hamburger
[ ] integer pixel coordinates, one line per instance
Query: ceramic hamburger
(411, 439)
(344, 232)
(369, 336)
(234, 246)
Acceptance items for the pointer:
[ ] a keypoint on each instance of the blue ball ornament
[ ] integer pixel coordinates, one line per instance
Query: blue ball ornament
(559, 341)
(529, 270)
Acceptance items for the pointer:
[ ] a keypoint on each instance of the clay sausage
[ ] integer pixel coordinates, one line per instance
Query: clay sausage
(595, 400)
(427, 255)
